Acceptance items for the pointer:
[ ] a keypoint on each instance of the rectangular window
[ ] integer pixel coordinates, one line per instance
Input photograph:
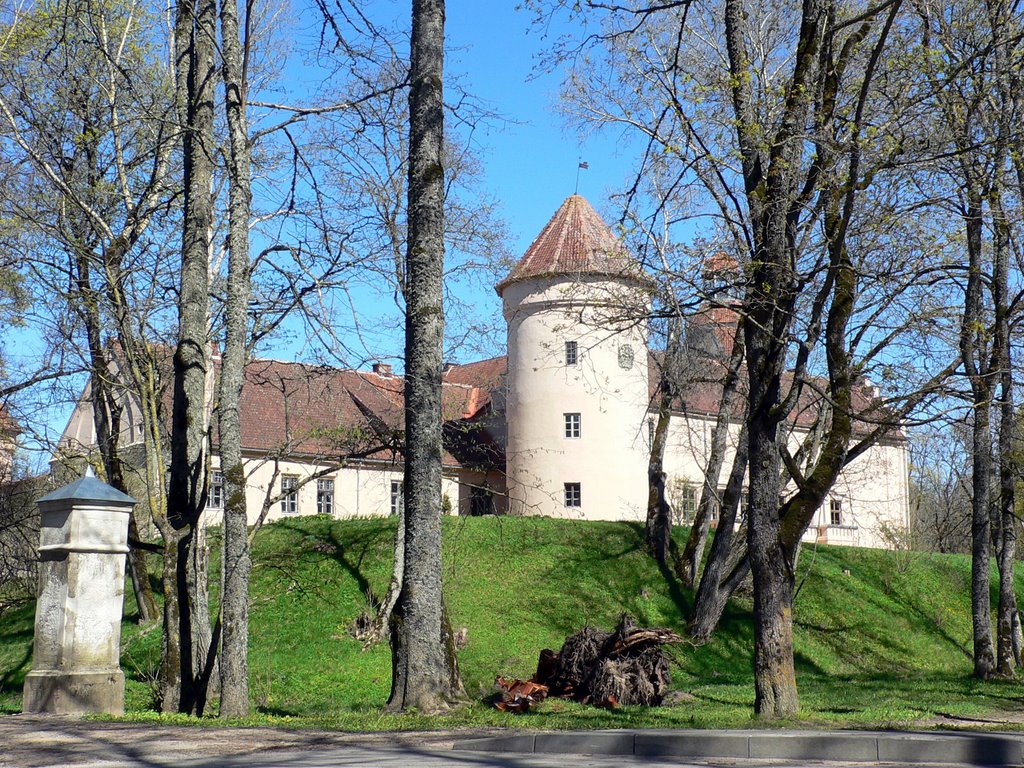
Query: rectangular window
(715, 507)
(572, 425)
(570, 353)
(397, 497)
(290, 497)
(573, 495)
(325, 496)
(689, 503)
(216, 490)
(835, 512)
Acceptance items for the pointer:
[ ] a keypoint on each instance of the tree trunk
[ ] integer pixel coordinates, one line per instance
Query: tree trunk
(424, 674)
(694, 550)
(138, 568)
(775, 693)
(973, 350)
(380, 626)
(658, 529)
(170, 675)
(234, 662)
(728, 563)
(195, 33)
(196, 639)
(1006, 658)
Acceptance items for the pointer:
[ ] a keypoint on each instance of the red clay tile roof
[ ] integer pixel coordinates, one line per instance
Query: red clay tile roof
(702, 394)
(480, 378)
(9, 426)
(293, 408)
(718, 263)
(576, 241)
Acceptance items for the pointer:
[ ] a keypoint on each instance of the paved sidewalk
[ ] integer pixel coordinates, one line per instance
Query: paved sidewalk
(30, 741)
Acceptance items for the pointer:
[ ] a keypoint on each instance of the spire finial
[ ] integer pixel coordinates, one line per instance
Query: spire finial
(582, 166)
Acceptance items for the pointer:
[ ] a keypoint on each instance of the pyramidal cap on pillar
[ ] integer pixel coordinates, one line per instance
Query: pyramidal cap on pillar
(88, 488)
(86, 515)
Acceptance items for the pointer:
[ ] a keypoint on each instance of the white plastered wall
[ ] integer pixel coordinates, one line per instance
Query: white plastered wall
(609, 459)
(872, 489)
(359, 491)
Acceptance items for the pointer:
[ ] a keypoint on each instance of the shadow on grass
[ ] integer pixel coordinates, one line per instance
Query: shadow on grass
(351, 553)
(13, 680)
(277, 712)
(16, 647)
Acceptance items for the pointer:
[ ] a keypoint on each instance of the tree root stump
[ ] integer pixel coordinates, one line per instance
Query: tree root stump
(627, 666)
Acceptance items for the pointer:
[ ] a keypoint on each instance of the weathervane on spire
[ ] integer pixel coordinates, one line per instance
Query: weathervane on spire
(582, 167)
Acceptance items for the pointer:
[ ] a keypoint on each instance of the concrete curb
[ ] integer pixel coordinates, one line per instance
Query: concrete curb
(960, 748)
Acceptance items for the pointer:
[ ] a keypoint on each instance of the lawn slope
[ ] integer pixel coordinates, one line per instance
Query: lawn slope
(882, 638)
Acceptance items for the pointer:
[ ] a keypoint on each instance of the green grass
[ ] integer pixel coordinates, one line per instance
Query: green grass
(882, 638)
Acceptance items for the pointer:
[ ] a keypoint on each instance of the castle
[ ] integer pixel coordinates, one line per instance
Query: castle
(560, 426)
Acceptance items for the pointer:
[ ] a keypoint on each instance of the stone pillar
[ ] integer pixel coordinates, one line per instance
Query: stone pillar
(83, 540)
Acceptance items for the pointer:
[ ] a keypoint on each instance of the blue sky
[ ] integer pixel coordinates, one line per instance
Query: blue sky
(531, 164)
(530, 159)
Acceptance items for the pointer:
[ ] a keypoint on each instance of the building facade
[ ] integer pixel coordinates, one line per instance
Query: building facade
(560, 426)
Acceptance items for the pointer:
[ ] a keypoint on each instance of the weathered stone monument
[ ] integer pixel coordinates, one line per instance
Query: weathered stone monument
(83, 540)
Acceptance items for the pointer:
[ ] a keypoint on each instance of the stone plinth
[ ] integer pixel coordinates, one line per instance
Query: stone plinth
(76, 656)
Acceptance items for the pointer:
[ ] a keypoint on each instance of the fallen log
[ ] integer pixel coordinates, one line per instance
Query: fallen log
(627, 666)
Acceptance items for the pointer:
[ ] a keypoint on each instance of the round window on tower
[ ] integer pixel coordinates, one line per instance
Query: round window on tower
(625, 357)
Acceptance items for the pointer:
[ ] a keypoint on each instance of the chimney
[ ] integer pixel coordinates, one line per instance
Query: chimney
(382, 369)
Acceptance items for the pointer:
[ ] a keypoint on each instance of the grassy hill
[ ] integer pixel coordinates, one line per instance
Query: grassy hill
(882, 638)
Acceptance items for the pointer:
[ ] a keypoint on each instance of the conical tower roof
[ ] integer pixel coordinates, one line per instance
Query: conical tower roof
(575, 242)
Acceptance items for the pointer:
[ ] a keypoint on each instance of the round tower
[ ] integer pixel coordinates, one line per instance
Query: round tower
(576, 306)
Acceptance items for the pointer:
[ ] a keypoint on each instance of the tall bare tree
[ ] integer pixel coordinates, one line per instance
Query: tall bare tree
(187, 669)
(234, 666)
(424, 668)
(767, 118)
(88, 125)
(973, 71)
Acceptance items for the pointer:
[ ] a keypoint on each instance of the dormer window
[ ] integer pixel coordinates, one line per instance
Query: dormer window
(571, 353)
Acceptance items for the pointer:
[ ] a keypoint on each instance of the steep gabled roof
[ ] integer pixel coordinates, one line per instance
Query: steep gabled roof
(294, 408)
(575, 242)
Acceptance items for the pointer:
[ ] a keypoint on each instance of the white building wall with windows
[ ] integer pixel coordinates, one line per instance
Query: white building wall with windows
(577, 390)
(573, 415)
(867, 506)
(358, 491)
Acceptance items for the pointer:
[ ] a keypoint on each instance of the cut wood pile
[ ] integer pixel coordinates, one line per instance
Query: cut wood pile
(607, 669)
